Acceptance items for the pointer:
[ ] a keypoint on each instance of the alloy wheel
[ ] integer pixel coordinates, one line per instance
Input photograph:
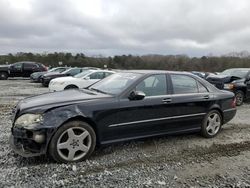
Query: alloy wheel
(74, 143)
(213, 124)
(239, 98)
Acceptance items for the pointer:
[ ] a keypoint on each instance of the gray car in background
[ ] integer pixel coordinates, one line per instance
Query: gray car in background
(36, 77)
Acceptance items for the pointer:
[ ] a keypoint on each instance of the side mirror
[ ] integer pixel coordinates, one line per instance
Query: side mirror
(136, 95)
(87, 78)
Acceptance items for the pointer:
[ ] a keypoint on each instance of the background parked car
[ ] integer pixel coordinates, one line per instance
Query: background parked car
(79, 81)
(46, 78)
(36, 76)
(236, 80)
(20, 69)
(203, 75)
(124, 106)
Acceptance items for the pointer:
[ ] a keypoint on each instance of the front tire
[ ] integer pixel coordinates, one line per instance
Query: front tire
(211, 124)
(73, 142)
(239, 95)
(3, 76)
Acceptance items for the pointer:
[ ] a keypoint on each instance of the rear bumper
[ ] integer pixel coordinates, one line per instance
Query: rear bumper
(229, 114)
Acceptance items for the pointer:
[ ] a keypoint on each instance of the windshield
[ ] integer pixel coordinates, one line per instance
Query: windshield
(67, 71)
(240, 73)
(116, 83)
(52, 70)
(83, 73)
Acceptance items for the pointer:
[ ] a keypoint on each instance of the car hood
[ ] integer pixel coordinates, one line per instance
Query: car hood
(53, 74)
(39, 73)
(65, 79)
(4, 65)
(56, 99)
(223, 78)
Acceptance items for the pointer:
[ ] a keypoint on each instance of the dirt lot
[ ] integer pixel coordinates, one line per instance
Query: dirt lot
(178, 161)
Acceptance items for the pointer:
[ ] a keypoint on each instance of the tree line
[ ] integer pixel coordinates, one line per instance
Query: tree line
(163, 62)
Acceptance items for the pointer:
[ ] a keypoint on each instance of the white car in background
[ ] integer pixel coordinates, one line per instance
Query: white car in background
(79, 81)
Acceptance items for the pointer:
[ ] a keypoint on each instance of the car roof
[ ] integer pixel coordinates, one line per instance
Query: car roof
(155, 72)
(30, 62)
(239, 69)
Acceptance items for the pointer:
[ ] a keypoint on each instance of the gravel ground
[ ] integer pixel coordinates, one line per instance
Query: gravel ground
(177, 161)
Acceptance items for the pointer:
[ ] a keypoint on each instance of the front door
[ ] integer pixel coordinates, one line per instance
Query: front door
(16, 70)
(137, 118)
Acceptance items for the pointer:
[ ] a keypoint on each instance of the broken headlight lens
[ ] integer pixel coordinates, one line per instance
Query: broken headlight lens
(28, 121)
(228, 86)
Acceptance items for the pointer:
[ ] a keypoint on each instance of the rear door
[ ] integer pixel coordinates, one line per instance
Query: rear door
(190, 101)
(29, 68)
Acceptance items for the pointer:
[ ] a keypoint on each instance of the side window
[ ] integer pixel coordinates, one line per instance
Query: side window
(74, 72)
(153, 85)
(17, 66)
(107, 74)
(202, 89)
(97, 75)
(60, 69)
(30, 66)
(184, 84)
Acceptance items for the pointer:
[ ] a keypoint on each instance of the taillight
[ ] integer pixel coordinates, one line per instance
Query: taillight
(233, 104)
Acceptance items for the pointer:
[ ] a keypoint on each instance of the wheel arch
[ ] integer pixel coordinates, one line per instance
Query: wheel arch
(6, 72)
(71, 86)
(217, 108)
(76, 118)
(242, 89)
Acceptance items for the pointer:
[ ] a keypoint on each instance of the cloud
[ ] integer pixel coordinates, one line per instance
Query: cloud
(113, 27)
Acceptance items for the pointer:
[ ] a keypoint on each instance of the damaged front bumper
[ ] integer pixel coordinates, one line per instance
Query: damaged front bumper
(28, 143)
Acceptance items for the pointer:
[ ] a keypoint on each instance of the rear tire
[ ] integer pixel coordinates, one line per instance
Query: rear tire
(239, 95)
(73, 142)
(211, 124)
(3, 76)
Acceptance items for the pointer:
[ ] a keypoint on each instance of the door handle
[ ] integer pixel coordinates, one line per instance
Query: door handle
(167, 100)
(206, 97)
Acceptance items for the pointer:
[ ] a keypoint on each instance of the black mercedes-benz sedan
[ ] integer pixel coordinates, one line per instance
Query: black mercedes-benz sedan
(127, 105)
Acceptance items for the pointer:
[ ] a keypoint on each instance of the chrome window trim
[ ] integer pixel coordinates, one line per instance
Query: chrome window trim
(230, 109)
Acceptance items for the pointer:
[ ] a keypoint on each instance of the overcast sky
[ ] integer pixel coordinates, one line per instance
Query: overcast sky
(110, 27)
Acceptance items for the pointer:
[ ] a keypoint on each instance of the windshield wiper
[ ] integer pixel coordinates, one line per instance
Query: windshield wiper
(97, 90)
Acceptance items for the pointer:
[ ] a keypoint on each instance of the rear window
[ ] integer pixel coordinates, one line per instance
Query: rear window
(30, 65)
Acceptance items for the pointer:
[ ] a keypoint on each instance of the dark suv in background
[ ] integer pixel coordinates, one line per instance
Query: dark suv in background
(20, 69)
(236, 80)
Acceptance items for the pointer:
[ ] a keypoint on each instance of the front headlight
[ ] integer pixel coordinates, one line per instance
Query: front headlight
(28, 121)
(228, 86)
